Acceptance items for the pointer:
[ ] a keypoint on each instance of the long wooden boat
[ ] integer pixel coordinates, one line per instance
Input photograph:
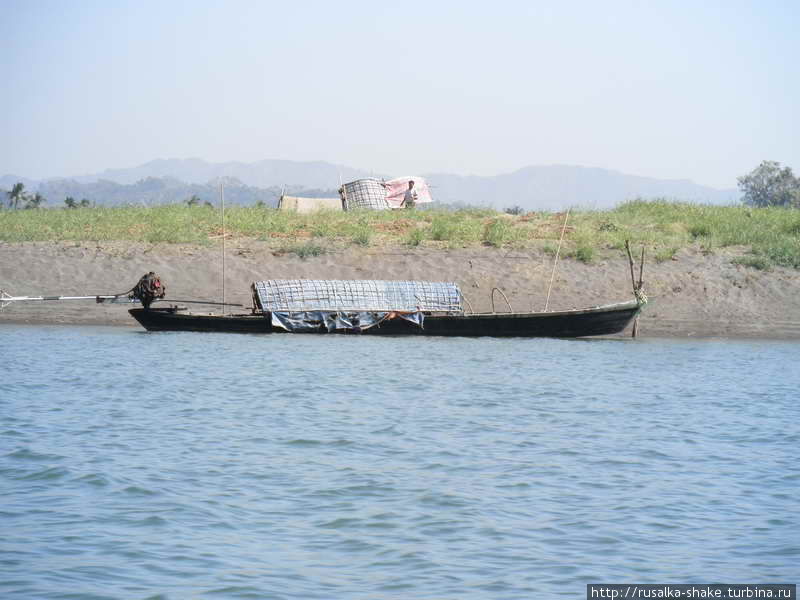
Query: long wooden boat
(364, 307)
(600, 320)
(379, 307)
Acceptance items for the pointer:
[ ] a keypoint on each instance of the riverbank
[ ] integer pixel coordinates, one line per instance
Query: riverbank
(693, 294)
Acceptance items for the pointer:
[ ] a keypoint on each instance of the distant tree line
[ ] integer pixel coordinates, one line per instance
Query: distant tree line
(19, 198)
(149, 191)
(72, 203)
(167, 190)
(514, 210)
(769, 184)
(195, 200)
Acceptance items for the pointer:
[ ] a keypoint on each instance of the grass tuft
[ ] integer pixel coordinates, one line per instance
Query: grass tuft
(699, 230)
(362, 235)
(785, 252)
(442, 229)
(665, 254)
(585, 254)
(307, 250)
(793, 228)
(415, 238)
(497, 232)
(762, 263)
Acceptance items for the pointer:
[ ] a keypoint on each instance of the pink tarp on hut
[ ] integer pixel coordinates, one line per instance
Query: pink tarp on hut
(396, 190)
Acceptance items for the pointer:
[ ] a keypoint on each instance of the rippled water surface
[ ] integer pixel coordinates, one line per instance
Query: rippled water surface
(137, 465)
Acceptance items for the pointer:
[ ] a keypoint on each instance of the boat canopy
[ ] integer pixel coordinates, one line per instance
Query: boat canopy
(357, 295)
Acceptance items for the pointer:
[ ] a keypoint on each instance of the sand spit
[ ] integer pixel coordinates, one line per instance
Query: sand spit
(693, 295)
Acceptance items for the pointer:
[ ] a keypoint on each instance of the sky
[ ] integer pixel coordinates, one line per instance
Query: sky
(670, 89)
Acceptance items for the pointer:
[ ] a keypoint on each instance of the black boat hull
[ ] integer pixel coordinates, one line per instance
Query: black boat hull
(604, 320)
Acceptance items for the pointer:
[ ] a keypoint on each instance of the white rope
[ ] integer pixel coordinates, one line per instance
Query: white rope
(555, 263)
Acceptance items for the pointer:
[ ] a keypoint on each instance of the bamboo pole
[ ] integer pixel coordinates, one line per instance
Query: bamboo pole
(641, 268)
(637, 286)
(222, 201)
(630, 263)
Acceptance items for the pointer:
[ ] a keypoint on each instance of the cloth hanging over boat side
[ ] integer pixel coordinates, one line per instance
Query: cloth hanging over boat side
(315, 321)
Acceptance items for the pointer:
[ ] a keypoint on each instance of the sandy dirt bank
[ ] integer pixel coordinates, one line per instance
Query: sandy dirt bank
(695, 295)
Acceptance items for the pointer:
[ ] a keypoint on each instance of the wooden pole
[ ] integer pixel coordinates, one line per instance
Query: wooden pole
(641, 268)
(222, 201)
(635, 329)
(637, 286)
(630, 263)
(343, 197)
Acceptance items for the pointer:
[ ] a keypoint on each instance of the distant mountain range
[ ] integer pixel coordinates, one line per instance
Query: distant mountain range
(532, 188)
(264, 173)
(557, 187)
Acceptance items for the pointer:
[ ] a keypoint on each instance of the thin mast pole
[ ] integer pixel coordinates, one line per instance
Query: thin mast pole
(555, 262)
(222, 200)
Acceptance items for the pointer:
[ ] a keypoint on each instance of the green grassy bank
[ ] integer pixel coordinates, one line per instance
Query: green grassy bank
(769, 236)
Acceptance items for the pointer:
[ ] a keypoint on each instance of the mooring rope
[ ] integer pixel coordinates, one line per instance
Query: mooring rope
(468, 304)
(555, 262)
(504, 296)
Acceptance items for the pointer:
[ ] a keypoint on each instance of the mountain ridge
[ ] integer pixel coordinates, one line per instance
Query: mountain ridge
(533, 187)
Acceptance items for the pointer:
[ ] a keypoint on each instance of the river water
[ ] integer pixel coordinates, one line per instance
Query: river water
(187, 465)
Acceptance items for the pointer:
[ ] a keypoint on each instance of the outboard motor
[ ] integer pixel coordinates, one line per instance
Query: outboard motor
(149, 289)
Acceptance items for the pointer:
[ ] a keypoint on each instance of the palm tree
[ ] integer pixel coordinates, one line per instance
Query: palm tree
(16, 194)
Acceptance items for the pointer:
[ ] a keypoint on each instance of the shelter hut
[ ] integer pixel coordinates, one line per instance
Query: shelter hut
(364, 194)
(376, 194)
(308, 205)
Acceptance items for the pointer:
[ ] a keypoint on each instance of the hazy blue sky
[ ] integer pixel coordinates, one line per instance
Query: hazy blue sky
(703, 90)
